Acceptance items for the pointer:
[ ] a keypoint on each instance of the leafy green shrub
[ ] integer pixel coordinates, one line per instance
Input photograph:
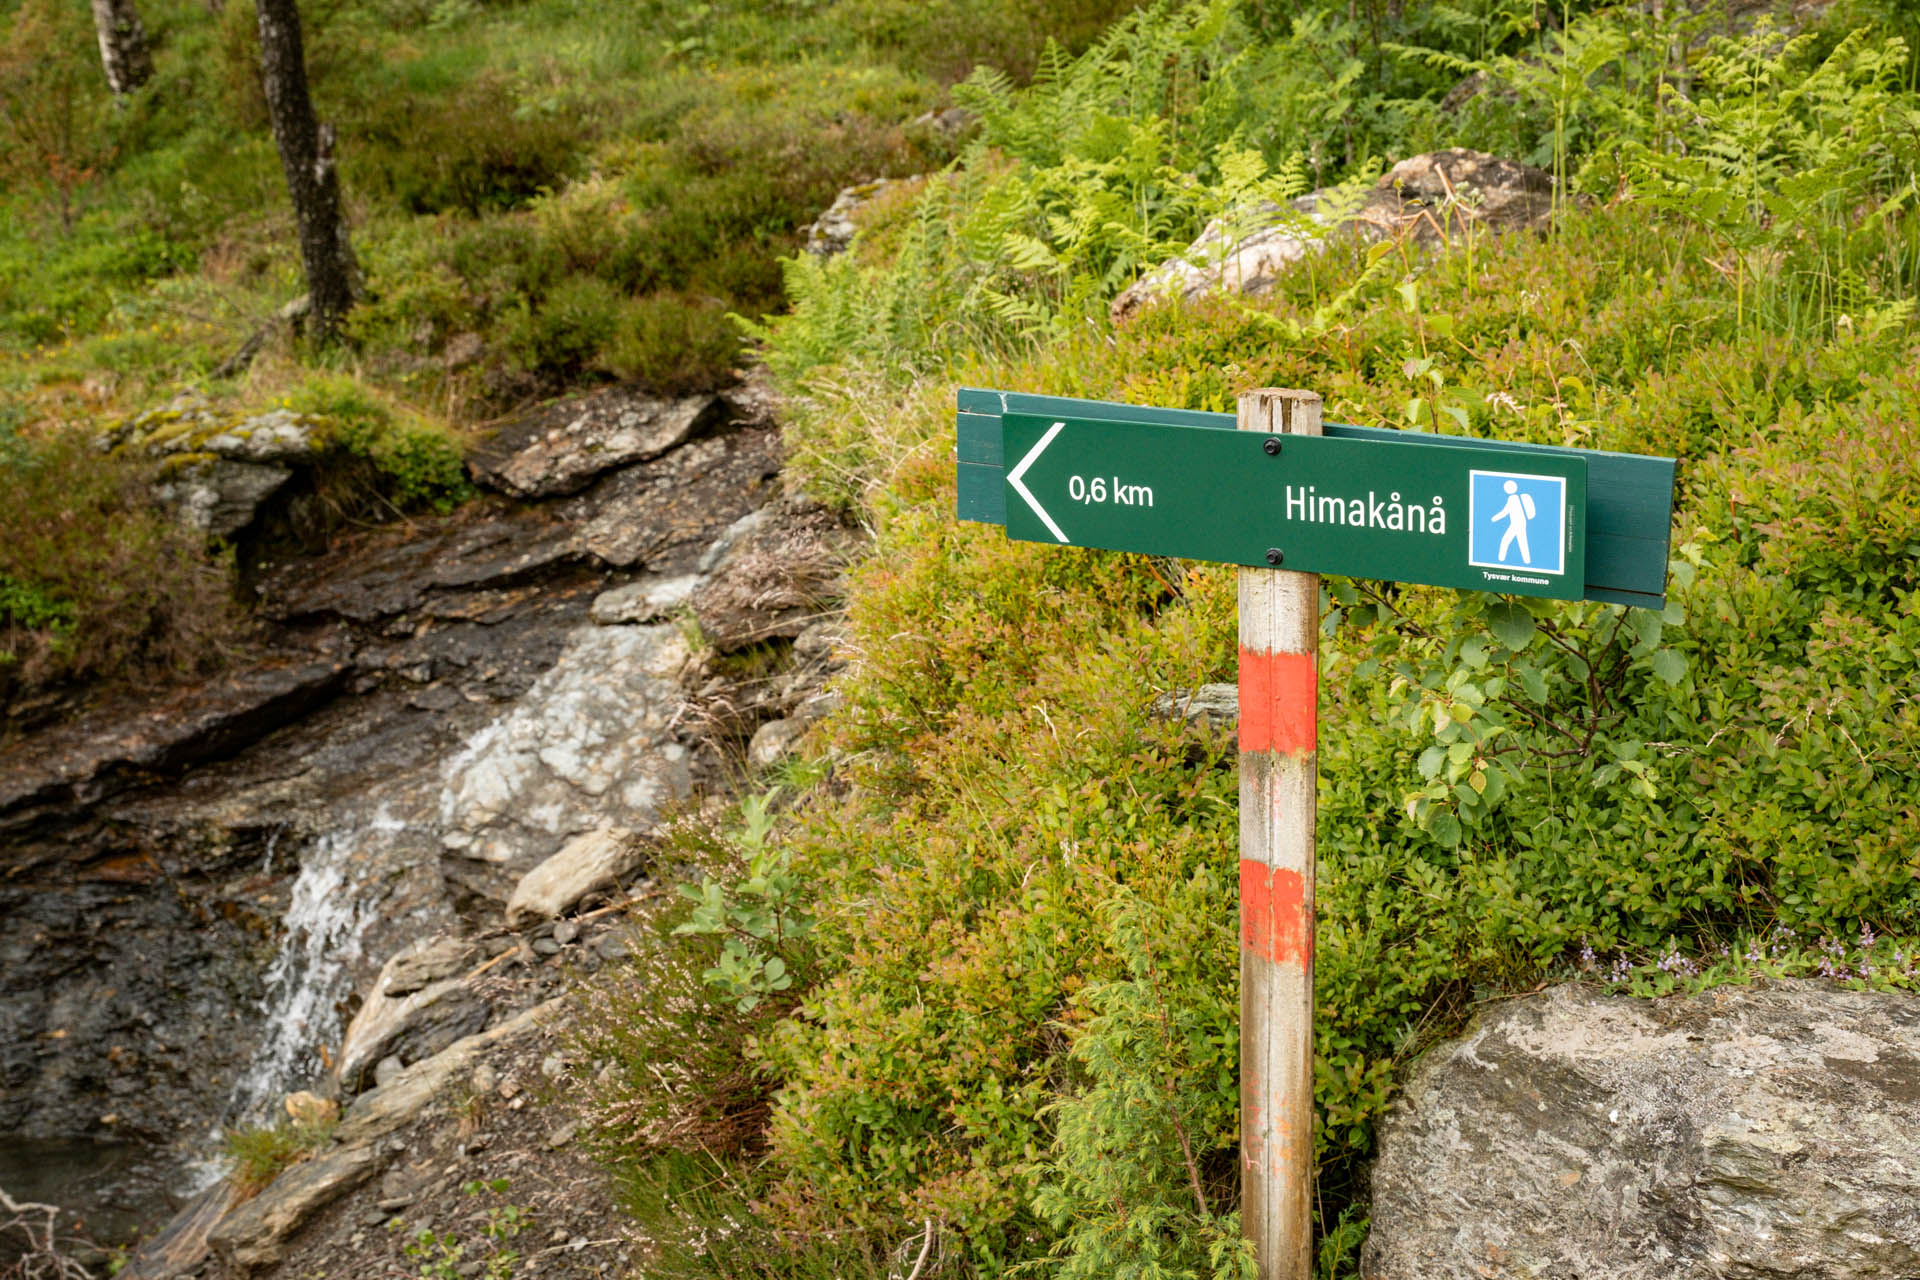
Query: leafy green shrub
(560, 335)
(94, 581)
(1507, 786)
(479, 148)
(708, 968)
(409, 463)
(1127, 1193)
(673, 344)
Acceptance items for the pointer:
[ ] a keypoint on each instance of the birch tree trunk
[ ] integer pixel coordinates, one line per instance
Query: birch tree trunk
(123, 45)
(306, 157)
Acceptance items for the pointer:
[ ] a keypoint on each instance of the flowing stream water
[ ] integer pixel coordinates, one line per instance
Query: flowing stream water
(308, 979)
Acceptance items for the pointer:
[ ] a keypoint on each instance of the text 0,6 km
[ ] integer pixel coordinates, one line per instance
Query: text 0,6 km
(1100, 489)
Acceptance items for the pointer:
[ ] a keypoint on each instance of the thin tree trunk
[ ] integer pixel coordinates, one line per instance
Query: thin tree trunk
(306, 156)
(123, 45)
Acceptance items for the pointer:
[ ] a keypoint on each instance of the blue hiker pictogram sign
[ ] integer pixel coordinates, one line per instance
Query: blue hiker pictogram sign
(1518, 523)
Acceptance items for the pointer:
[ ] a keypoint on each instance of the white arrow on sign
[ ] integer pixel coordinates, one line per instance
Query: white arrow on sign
(1013, 478)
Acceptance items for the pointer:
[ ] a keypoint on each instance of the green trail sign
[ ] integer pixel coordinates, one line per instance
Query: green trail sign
(1363, 502)
(1473, 518)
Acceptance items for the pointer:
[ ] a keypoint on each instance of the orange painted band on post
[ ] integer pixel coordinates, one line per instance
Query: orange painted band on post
(1273, 914)
(1279, 701)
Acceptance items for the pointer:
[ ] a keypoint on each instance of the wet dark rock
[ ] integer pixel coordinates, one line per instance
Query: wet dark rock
(663, 515)
(1745, 1132)
(559, 448)
(81, 762)
(438, 716)
(468, 564)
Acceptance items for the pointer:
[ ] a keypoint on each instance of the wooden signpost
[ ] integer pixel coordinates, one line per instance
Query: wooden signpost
(1290, 498)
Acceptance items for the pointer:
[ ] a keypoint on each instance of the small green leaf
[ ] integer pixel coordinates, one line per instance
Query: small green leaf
(1646, 625)
(1511, 625)
(1670, 665)
(1445, 829)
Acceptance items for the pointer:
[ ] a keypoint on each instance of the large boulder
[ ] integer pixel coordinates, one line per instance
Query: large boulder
(1743, 1133)
(1429, 198)
(217, 471)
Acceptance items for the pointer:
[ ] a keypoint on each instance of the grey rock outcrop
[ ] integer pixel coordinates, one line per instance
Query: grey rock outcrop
(216, 496)
(560, 448)
(1743, 1133)
(1216, 706)
(833, 231)
(217, 470)
(1430, 197)
(651, 600)
(590, 743)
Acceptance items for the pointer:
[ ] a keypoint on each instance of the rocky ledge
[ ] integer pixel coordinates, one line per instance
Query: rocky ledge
(443, 765)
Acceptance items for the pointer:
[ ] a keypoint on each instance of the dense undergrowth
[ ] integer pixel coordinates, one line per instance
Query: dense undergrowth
(543, 195)
(1014, 1033)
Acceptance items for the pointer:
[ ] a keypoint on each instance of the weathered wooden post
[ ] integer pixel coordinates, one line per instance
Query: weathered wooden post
(1279, 708)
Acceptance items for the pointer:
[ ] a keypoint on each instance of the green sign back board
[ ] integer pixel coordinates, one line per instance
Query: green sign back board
(1471, 518)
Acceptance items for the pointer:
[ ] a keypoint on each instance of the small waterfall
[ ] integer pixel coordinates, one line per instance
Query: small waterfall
(309, 977)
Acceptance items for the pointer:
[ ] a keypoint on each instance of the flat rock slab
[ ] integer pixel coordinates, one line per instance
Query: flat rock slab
(559, 448)
(1744, 1133)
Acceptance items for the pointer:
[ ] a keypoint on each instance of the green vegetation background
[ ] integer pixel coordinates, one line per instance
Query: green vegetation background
(969, 1006)
(1004, 1012)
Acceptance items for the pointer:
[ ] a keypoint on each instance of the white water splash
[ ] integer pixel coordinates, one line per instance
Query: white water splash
(308, 979)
